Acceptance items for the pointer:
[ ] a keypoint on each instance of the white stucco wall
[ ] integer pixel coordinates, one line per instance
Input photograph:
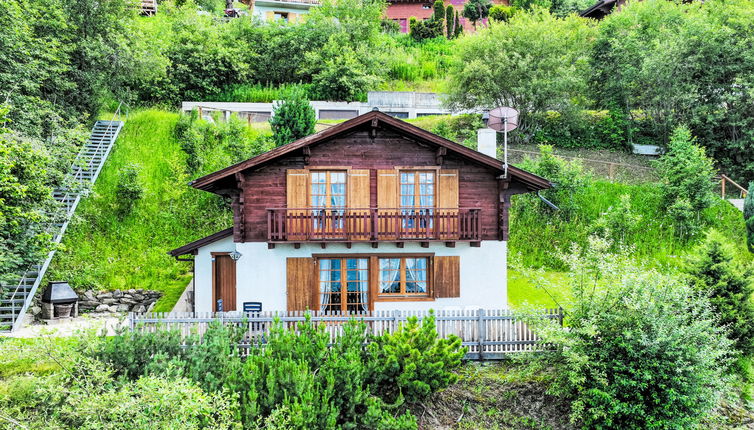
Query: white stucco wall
(261, 273)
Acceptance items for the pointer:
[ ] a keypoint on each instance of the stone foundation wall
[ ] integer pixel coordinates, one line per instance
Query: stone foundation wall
(108, 302)
(118, 301)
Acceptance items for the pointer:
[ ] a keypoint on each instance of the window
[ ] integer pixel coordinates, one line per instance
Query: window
(281, 15)
(417, 198)
(328, 199)
(344, 284)
(406, 276)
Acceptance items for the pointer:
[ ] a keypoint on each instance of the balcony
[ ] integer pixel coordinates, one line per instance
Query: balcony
(348, 225)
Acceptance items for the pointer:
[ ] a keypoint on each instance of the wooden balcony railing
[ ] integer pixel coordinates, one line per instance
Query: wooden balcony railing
(372, 225)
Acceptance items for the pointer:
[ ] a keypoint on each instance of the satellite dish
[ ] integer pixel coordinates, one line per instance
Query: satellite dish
(503, 119)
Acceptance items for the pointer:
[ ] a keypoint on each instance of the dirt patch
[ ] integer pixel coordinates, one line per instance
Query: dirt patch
(494, 396)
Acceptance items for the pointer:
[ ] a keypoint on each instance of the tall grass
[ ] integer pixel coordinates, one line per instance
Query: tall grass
(103, 252)
(535, 237)
(420, 60)
(260, 93)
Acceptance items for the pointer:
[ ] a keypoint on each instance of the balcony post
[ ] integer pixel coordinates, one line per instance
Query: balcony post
(375, 223)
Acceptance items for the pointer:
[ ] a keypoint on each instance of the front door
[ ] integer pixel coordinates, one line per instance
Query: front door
(223, 283)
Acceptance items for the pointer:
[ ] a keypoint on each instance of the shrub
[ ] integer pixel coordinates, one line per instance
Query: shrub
(292, 119)
(412, 362)
(568, 178)
(426, 29)
(729, 286)
(390, 26)
(460, 128)
(128, 191)
(130, 353)
(584, 129)
(619, 223)
(501, 13)
(641, 349)
(296, 379)
(26, 205)
(686, 174)
(214, 144)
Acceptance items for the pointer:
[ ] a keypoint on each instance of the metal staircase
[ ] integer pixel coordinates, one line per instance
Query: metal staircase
(16, 298)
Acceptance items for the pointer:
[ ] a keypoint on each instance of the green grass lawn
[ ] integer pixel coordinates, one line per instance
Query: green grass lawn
(102, 252)
(543, 289)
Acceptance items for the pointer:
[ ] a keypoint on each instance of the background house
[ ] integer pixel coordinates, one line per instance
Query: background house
(372, 214)
(401, 12)
(285, 10)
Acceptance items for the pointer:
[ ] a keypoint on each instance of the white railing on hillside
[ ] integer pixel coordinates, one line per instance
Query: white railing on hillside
(489, 334)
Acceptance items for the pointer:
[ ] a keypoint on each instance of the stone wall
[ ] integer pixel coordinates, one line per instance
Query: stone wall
(118, 301)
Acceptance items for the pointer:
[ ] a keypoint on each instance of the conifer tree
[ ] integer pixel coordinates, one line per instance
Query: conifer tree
(749, 217)
(729, 286)
(449, 15)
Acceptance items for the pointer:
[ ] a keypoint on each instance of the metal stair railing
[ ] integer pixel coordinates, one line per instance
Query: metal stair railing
(86, 168)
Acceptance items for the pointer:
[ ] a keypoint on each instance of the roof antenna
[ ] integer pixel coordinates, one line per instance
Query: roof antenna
(503, 119)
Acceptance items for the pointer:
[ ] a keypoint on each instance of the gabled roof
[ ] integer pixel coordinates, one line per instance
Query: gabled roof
(375, 119)
(192, 247)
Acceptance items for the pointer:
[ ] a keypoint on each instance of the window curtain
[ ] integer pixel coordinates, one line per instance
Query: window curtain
(364, 283)
(416, 275)
(324, 284)
(390, 275)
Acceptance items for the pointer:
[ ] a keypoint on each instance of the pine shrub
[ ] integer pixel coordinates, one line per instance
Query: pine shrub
(292, 119)
(729, 286)
(686, 174)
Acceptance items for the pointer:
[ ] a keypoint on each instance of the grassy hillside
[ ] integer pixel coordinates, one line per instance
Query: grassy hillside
(536, 238)
(102, 251)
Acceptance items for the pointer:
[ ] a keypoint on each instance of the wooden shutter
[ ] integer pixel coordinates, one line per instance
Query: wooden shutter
(387, 203)
(297, 197)
(447, 276)
(447, 198)
(301, 291)
(270, 15)
(358, 201)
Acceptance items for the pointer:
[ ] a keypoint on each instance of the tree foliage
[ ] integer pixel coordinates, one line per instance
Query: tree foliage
(568, 177)
(476, 10)
(749, 217)
(535, 63)
(698, 61)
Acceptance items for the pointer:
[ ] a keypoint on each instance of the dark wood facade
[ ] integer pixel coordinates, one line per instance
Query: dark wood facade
(370, 144)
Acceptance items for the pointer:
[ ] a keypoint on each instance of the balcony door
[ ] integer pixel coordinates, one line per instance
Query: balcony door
(417, 200)
(328, 203)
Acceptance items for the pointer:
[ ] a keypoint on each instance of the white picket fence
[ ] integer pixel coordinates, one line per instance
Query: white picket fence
(489, 334)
